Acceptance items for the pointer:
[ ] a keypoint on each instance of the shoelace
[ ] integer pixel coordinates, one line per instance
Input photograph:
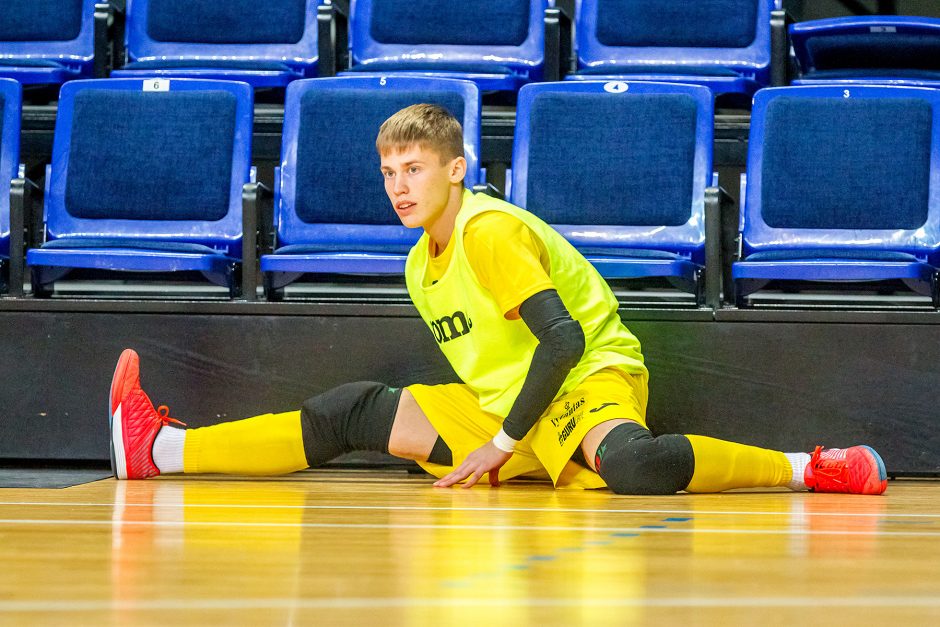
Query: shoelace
(830, 468)
(164, 413)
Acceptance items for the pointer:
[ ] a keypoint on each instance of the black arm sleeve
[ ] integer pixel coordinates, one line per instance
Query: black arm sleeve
(561, 345)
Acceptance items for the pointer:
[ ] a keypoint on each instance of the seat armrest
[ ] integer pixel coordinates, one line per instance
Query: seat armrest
(21, 211)
(559, 37)
(332, 38)
(715, 197)
(104, 34)
(253, 207)
(780, 62)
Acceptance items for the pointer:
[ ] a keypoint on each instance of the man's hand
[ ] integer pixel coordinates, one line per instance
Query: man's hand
(486, 459)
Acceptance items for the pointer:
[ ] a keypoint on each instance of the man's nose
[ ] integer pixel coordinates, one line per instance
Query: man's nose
(400, 187)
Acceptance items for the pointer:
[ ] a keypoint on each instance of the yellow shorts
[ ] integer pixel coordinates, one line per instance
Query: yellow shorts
(609, 394)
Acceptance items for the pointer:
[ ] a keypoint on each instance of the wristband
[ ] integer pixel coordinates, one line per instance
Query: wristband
(504, 443)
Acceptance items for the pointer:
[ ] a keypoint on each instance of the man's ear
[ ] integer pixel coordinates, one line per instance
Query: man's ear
(458, 170)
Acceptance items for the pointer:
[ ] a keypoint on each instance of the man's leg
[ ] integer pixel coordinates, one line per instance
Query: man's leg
(632, 461)
(355, 416)
(413, 436)
(361, 416)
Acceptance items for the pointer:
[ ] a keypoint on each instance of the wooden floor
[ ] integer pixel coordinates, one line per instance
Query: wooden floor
(322, 548)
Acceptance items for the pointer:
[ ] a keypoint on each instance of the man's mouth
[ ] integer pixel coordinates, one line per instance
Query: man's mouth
(404, 205)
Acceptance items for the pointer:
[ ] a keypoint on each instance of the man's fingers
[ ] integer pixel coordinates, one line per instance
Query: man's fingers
(449, 480)
(494, 477)
(455, 476)
(476, 476)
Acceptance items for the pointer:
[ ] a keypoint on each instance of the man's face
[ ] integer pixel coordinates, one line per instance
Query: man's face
(418, 184)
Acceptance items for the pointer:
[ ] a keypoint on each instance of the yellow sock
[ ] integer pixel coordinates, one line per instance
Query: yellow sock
(271, 444)
(721, 465)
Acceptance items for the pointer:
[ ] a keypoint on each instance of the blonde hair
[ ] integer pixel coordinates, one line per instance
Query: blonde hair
(425, 125)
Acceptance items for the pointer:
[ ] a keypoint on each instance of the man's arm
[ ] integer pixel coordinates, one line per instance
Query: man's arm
(560, 347)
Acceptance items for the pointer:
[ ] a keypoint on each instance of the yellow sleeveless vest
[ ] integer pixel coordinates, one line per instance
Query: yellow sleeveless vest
(492, 354)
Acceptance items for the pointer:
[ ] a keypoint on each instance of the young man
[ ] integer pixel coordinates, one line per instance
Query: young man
(554, 384)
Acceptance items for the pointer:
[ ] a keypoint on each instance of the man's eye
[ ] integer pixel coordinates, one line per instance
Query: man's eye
(413, 170)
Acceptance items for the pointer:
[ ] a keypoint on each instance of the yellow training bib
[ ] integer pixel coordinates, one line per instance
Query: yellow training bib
(492, 354)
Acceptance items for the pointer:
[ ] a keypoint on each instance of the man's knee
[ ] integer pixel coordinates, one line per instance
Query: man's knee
(632, 461)
(351, 417)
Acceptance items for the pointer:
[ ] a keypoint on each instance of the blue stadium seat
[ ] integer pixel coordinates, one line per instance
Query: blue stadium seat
(331, 211)
(841, 186)
(47, 41)
(872, 49)
(10, 104)
(266, 44)
(146, 176)
(724, 45)
(497, 44)
(621, 170)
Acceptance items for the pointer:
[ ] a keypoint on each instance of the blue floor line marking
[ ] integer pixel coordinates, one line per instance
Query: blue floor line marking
(528, 561)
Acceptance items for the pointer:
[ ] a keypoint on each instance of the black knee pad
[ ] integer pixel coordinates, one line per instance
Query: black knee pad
(631, 461)
(351, 417)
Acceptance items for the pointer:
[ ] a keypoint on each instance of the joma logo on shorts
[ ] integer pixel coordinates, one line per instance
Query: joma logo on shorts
(451, 327)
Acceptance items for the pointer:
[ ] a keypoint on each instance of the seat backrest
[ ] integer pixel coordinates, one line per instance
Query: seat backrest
(876, 43)
(506, 33)
(11, 97)
(275, 30)
(703, 34)
(616, 164)
(852, 167)
(330, 176)
(48, 30)
(151, 159)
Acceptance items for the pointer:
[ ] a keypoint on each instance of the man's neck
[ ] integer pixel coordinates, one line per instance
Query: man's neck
(441, 231)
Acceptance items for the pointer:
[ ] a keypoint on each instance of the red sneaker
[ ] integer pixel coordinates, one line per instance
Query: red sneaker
(134, 422)
(855, 470)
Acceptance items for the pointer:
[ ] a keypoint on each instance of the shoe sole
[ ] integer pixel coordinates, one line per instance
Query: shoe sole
(882, 472)
(115, 424)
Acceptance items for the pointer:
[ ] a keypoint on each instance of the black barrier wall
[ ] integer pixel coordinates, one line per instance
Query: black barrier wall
(746, 376)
